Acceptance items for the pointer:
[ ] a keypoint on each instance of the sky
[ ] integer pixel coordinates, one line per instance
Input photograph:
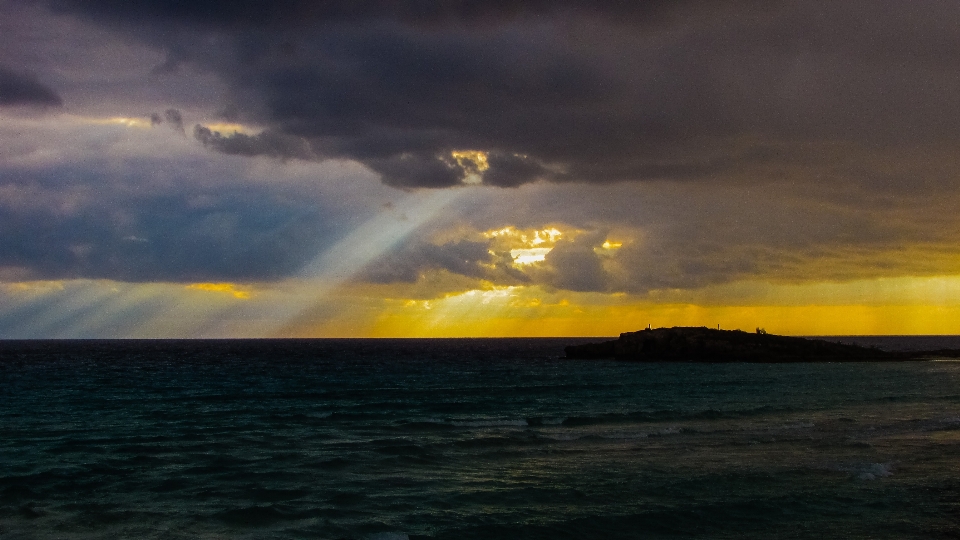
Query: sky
(327, 168)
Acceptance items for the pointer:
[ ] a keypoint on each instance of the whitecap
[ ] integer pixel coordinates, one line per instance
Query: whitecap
(869, 471)
(878, 470)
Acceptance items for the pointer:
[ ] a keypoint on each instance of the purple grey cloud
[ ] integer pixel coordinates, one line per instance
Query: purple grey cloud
(23, 89)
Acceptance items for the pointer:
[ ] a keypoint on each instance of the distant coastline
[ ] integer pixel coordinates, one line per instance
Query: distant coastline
(702, 344)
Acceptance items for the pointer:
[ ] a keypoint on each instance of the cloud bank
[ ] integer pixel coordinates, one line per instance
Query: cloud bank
(571, 91)
(714, 141)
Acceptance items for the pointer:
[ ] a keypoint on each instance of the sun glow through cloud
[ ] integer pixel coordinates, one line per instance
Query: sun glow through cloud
(226, 288)
(611, 245)
(223, 193)
(338, 264)
(473, 162)
(105, 308)
(231, 127)
(127, 121)
(471, 158)
(527, 246)
(523, 311)
(523, 256)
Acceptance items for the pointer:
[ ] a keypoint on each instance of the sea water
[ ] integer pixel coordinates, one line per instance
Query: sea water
(463, 439)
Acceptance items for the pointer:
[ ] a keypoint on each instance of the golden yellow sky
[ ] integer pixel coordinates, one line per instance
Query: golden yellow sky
(519, 311)
(102, 308)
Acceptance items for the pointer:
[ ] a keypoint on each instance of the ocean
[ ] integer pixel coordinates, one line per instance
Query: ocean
(468, 439)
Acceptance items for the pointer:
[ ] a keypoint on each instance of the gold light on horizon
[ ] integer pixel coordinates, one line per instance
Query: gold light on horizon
(226, 288)
(902, 306)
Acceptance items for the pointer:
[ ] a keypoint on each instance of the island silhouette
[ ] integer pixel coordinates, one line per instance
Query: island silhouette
(702, 344)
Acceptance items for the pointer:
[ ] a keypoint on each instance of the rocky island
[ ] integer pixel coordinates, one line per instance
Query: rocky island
(701, 344)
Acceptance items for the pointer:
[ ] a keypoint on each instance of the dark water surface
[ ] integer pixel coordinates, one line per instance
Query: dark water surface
(463, 439)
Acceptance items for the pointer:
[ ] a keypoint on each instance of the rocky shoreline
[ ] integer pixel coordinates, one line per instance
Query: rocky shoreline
(701, 344)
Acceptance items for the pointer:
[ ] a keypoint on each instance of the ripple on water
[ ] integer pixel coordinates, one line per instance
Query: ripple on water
(348, 439)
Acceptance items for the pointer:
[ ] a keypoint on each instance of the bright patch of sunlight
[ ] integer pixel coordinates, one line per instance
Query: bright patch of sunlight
(473, 162)
(529, 255)
(32, 286)
(526, 246)
(226, 288)
(229, 127)
(121, 120)
(526, 238)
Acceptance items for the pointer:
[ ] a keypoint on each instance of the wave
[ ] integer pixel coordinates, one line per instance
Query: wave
(866, 471)
(453, 423)
(255, 516)
(445, 423)
(672, 415)
(657, 416)
(491, 423)
(556, 421)
(617, 435)
(795, 426)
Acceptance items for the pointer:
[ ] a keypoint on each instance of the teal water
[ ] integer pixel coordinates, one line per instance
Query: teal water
(461, 439)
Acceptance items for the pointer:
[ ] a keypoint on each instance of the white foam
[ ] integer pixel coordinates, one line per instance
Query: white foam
(879, 470)
(869, 471)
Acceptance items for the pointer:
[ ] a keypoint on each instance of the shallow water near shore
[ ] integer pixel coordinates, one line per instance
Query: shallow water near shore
(394, 439)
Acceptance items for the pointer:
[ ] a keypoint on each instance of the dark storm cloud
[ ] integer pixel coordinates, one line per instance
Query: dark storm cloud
(511, 170)
(843, 111)
(417, 170)
(237, 240)
(267, 143)
(574, 266)
(23, 89)
(472, 259)
(296, 12)
(175, 119)
(68, 222)
(172, 116)
(571, 90)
